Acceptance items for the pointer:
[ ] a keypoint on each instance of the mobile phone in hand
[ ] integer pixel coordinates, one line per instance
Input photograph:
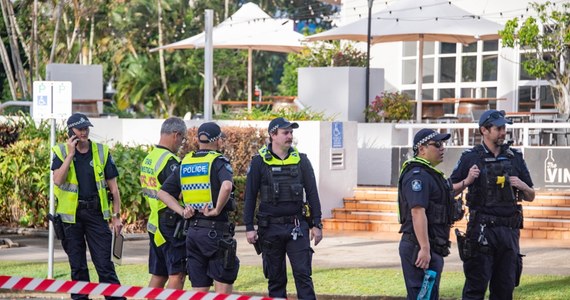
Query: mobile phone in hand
(70, 132)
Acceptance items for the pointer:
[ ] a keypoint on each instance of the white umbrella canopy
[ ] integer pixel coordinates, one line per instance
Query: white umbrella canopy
(417, 20)
(248, 28)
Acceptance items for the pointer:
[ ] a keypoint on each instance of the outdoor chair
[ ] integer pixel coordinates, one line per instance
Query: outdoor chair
(555, 133)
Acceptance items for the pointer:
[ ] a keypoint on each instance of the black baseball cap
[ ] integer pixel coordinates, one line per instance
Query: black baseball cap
(494, 117)
(78, 121)
(425, 135)
(209, 132)
(281, 123)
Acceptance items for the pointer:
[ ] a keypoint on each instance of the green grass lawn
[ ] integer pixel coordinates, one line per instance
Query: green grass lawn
(358, 282)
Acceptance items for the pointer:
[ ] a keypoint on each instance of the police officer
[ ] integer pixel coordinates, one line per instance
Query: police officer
(167, 255)
(82, 172)
(497, 178)
(205, 180)
(425, 202)
(279, 173)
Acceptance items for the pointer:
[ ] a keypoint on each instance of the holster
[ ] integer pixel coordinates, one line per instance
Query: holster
(227, 250)
(57, 226)
(464, 252)
(257, 246)
(181, 229)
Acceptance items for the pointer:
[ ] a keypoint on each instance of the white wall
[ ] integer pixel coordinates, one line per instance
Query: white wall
(339, 92)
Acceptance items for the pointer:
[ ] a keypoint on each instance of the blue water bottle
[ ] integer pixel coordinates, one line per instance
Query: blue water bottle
(427, 285)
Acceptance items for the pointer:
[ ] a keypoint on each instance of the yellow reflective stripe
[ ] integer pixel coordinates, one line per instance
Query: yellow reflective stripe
(162, 157)
(101, 184)
(63, 149)
(67, 218)
(151, 227)
(101, 151)
(69, 187)
(150, 193)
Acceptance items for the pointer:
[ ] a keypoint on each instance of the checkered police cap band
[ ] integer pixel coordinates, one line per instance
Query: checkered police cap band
(204, 133)
(81, 121)
(424, 140)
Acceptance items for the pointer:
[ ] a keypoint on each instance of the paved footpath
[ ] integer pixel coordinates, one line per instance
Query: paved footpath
(337, 249)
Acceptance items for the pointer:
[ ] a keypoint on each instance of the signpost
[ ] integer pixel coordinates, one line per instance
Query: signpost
(51, 100)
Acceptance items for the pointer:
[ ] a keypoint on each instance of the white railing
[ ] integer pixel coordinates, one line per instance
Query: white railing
(520, 132)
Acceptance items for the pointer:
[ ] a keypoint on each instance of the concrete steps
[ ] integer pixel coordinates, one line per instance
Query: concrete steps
(375, 209)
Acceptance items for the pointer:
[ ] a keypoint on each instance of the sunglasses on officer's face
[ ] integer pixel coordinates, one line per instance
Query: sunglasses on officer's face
(494, 116)
(437, 144)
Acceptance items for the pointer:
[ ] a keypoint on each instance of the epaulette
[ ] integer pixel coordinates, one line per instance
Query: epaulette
(224, 159)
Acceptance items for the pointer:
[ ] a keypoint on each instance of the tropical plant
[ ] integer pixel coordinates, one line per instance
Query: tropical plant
(332, 54)
(389, 106)
(550, 47)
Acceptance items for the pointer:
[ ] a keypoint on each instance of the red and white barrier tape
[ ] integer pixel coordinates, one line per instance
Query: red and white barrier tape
(108, 289)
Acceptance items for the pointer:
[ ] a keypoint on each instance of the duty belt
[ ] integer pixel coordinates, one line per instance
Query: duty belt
(225, 227)
(282, 220)
(437, 245)
(490, 220)
(88, 204)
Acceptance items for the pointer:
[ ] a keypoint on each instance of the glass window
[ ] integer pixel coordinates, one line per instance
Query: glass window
(525, 103)
(468, 68)
(547, 96)
(427, 94)
(447, 69)
(523, 73)
(409, 49)
(490, 65)
(448, 48)
(489, 92)
(429, 48)
(446, 93)
(468, 92)
(491, 45)
(470, 48)
(428, 71)
(409, 71)
(410, 93)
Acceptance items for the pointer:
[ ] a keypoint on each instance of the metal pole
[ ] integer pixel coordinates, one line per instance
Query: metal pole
(249, 78)
(208, 65)
(51, 204)
(367, 91)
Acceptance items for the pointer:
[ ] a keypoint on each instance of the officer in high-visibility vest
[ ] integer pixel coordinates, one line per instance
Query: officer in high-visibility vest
(289, 209)
(167, 254)
(425, 203)
(205, 180)
(82, 172)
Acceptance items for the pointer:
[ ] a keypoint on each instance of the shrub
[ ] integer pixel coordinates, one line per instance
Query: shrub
(389, 107)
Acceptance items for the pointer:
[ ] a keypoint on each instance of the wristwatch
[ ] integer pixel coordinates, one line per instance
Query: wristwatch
(116, 215)
(319, 226)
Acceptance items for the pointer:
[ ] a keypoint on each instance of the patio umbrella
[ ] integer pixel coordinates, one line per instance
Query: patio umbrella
(414, 20)
(248, 28)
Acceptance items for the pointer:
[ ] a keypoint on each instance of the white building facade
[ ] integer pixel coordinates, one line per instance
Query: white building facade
(483, 69)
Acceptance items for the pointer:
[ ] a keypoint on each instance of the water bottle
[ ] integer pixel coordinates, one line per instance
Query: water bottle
(427, 285)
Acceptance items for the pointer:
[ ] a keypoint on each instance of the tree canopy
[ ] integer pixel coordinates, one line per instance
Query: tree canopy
(118, 35)
(545, 40)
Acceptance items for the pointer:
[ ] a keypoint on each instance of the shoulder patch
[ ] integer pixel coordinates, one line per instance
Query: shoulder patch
(416, 185)
(229, 168)
(173, 167)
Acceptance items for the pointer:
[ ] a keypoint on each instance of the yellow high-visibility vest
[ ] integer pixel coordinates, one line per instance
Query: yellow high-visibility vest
(68, 193)
(152, 166)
